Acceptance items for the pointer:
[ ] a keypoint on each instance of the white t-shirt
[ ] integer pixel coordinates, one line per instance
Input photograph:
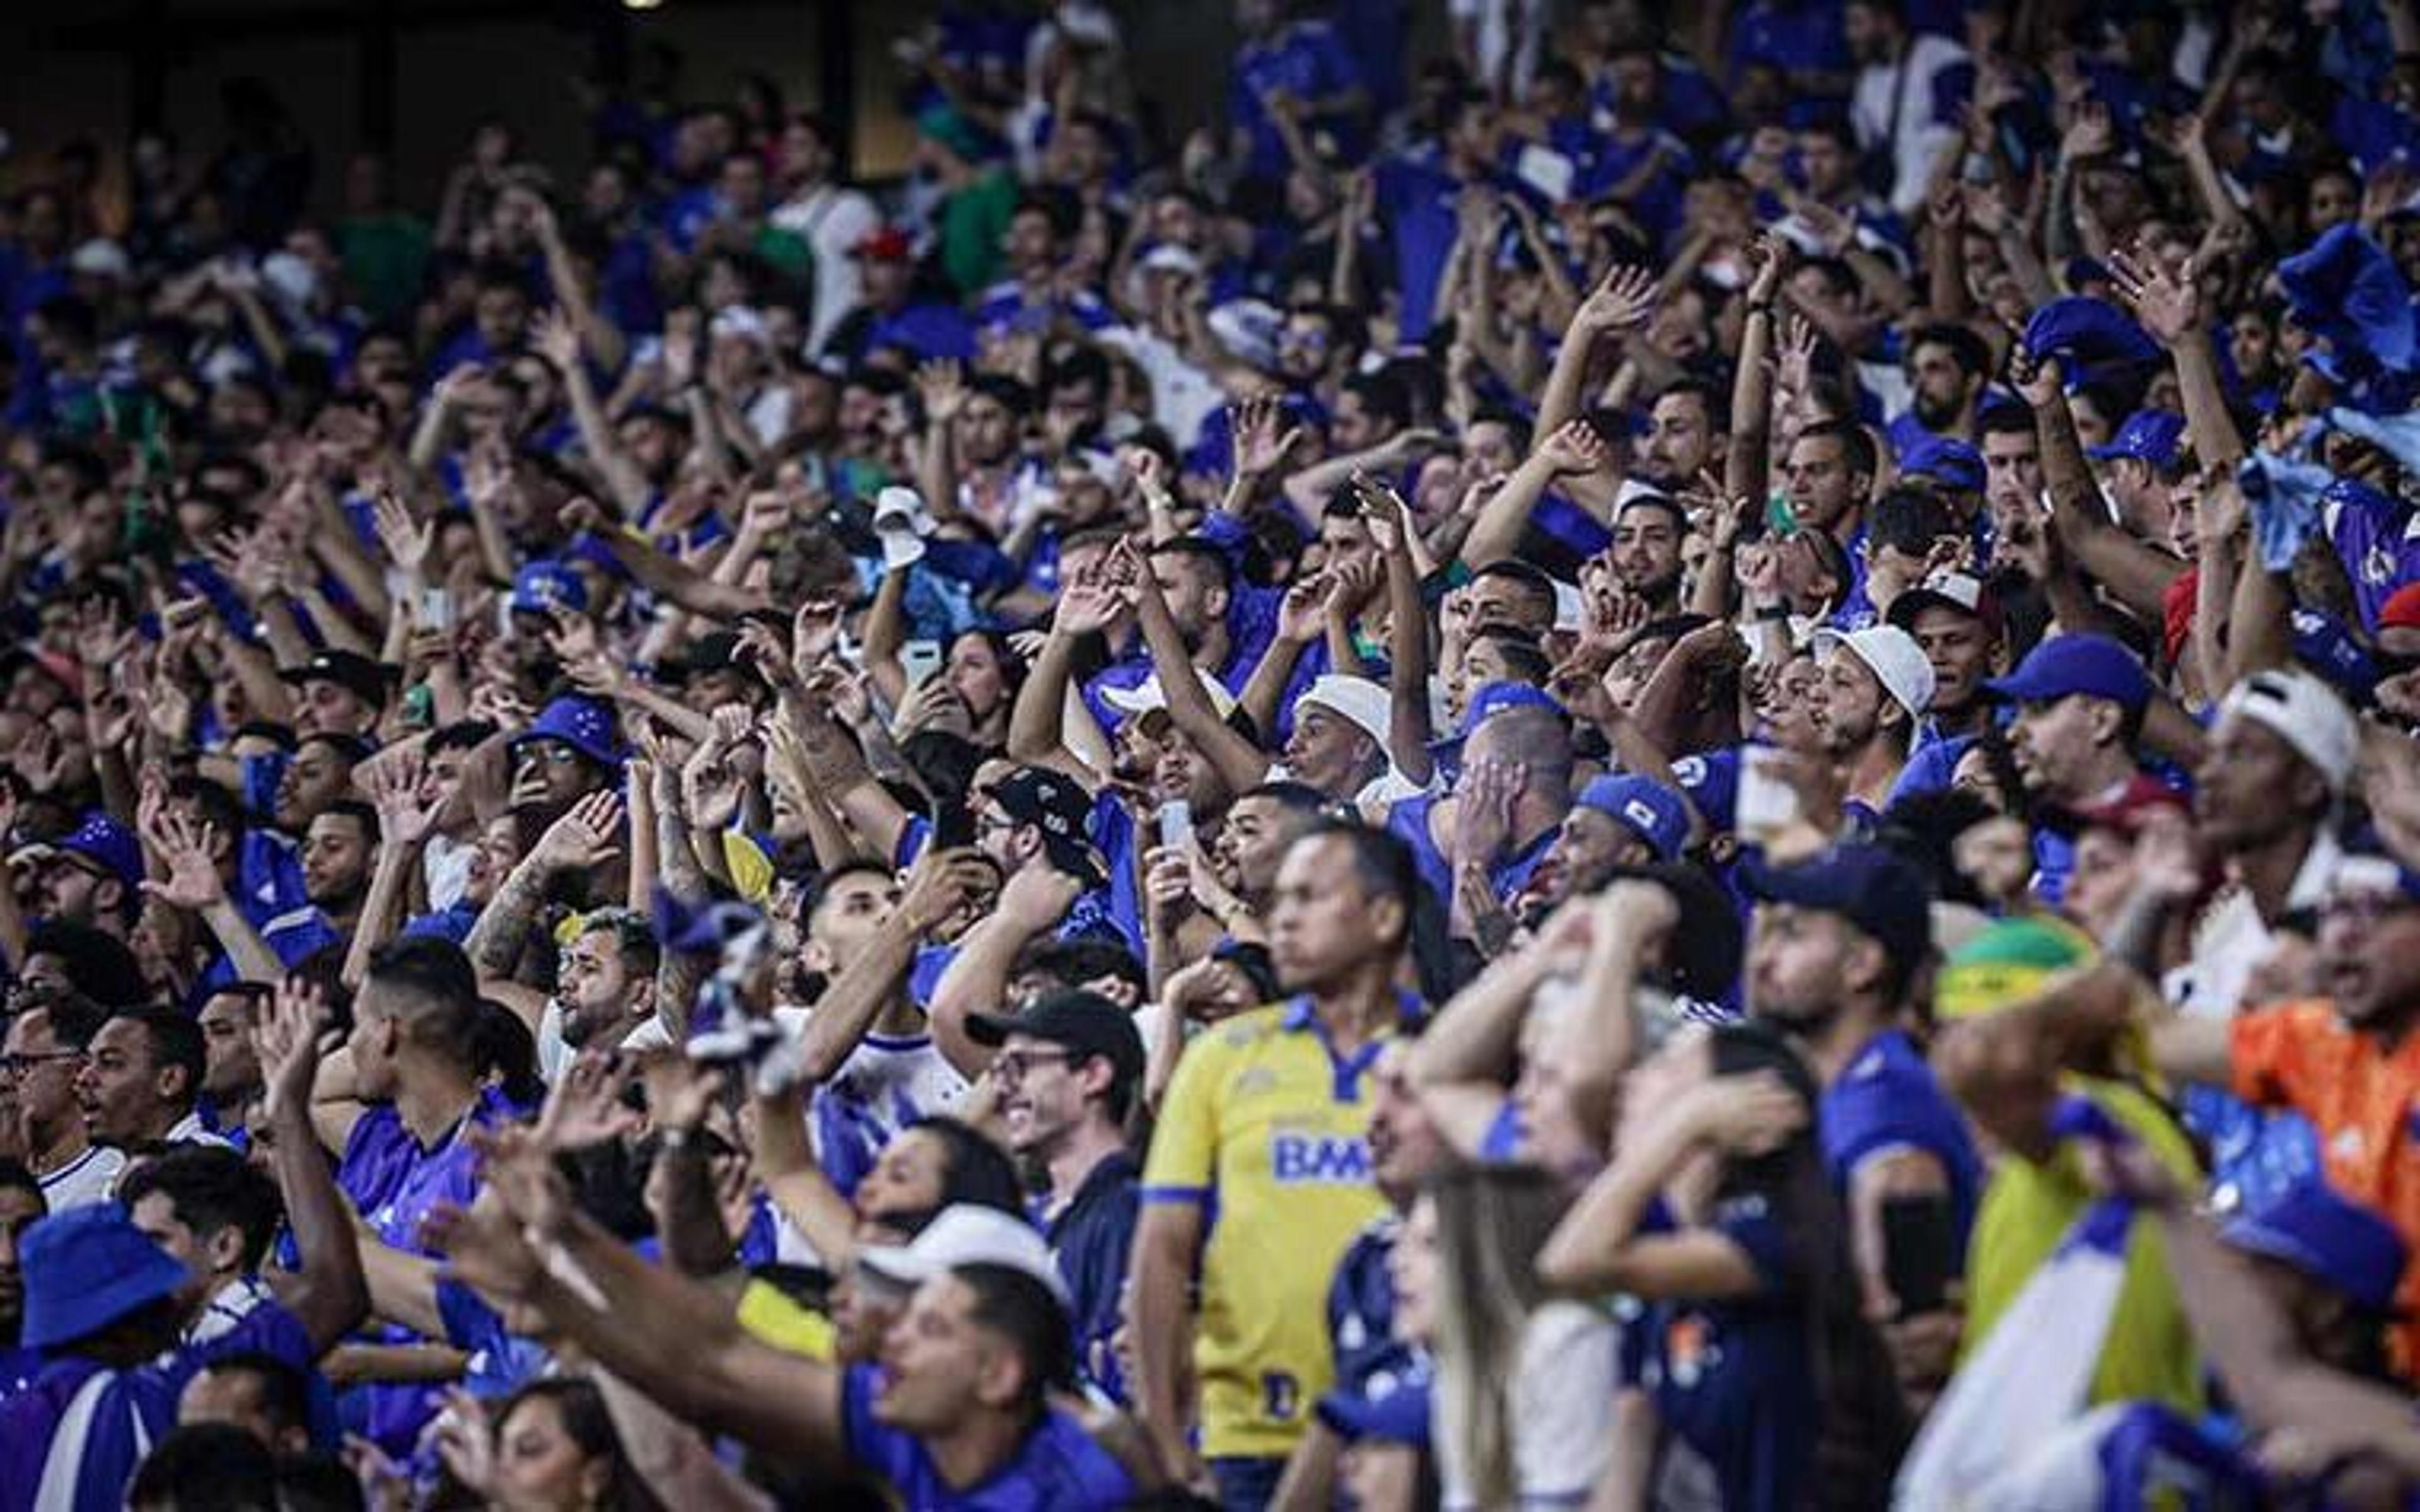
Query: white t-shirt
(1893, 111)
(87, 1179)
(1561, 1412)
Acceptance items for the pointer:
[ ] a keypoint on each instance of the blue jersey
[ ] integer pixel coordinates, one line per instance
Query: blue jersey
(1887, 1099)
(1735, 1379)
(1057, 1468)
(71, 1441)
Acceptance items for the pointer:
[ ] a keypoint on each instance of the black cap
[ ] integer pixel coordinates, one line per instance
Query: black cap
(1085, 1021)
(355, 674)
(1058, 805)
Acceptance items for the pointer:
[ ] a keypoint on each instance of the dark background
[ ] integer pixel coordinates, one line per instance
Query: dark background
(415, 75)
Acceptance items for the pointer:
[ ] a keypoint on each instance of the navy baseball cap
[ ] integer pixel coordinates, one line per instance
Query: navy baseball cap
(1945, 460)
(2065, 665)
(1654, 813)
(2335, 1241)
(2153, 436)
(1877, 890)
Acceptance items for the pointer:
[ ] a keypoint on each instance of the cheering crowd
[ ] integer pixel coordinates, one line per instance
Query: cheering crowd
(1669, 764)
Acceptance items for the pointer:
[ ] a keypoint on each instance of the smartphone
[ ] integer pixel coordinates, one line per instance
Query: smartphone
(953, 826)
(1919, 1251)
(436, 610)
(1176, 823)
(1766, 802)
(921, 660)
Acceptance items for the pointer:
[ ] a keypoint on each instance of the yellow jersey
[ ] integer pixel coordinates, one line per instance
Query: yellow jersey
(1266, 1128)
(2026, 1211)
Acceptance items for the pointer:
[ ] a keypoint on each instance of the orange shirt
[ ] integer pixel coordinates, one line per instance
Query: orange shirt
(2364, 1099)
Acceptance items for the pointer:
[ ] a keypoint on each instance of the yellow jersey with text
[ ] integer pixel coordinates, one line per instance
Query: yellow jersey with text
(1266, 1127)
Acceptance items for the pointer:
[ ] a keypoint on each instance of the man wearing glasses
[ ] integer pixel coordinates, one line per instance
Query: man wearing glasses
(1067, 1070)
(48, 1031)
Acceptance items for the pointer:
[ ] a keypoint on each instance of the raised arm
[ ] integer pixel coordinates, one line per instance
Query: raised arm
(558, 341)
(673, 1338)
(1031, 902)
(1623, 300)
(1574, 447)
(328, 1296)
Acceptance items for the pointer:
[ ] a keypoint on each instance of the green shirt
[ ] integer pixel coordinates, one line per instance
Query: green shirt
(972, 221)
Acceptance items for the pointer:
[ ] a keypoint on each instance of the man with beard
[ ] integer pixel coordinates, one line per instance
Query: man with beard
(1266, 1126)
(340, 850)
(1875, 687)
(43, 1050)
(604, 991)
(1620, 821)
(1684, 436)
(1948, 367)
(2345, 1061)
(1067, 1070)
(321, 774)
(1836, 946)
(1252, 842)
(2080, 705)
(230, 1063)
(91, 876)
(1648, 529)
(337, 693)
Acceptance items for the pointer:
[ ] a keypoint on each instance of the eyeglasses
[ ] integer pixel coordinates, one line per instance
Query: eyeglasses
(1010, 1066)
(24, 1065)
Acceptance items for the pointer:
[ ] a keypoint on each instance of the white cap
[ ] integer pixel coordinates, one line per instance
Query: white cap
(1149, 697)
(896, 508)
(2305, 714)
(1357, 700)
(964, 1234)
(1893, 656)
(1249, 328)
(741, 321)
(1168, 257)
(100, 258)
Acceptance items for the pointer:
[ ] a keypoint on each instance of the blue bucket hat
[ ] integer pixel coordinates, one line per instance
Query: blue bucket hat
(86, 1268)
(2065, 665)
(2152, 436)
(1654, 813)
(548, 585)
(2345, 288)
(584, 724)
(2337, 1243)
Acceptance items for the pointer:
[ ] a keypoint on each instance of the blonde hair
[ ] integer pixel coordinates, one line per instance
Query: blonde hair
(1491, 1221)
